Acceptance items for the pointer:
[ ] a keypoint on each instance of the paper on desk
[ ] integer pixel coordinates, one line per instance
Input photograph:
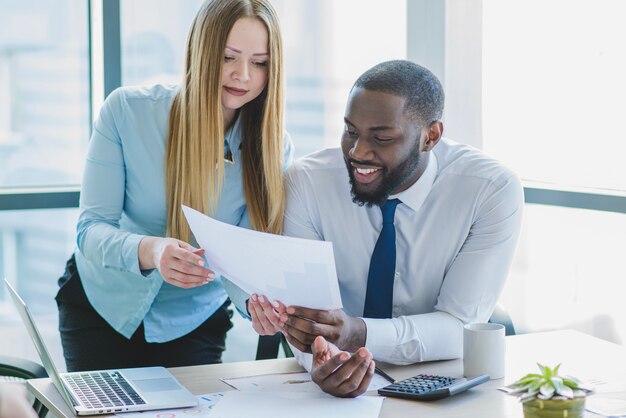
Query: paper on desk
(606, 384)
(293, 270)
(609, 394)
(274, 404)
(289, 382)
(205, 403)
(608, 407)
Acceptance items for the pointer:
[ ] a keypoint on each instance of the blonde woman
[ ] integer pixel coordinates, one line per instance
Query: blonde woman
(137, 292)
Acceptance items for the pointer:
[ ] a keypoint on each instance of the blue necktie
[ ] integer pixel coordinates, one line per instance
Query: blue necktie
(379, 296)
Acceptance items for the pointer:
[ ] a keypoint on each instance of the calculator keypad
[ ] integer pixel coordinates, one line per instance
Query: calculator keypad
(422, 383)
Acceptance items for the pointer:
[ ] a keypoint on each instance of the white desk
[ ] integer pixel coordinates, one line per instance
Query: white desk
(579, 354)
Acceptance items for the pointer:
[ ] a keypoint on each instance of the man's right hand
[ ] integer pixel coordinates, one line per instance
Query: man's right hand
(339, 373)
(179, 263)
(267, 318)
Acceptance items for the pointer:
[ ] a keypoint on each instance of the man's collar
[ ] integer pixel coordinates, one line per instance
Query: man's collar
(415, 195)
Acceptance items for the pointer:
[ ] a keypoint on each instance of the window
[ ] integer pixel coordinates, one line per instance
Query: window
(44, 128)
(554, 96)
(33, 249)
(538, 86)
(328, 44)
(568, 272)
(44, 80)
(154, 34)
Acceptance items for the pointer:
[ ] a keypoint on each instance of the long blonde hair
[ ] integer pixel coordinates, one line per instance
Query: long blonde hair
(194, 161)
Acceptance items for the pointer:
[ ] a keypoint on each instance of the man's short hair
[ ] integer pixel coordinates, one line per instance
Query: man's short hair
(420, 87)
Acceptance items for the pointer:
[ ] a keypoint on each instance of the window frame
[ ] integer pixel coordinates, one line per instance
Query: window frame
(431, 26)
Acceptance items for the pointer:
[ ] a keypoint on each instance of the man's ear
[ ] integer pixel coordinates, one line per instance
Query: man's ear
(434, 134)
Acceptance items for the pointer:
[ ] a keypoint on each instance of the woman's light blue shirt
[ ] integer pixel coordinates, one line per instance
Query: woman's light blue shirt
(123, 199)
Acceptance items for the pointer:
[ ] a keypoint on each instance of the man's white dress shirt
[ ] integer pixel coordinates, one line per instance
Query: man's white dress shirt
(456, 232)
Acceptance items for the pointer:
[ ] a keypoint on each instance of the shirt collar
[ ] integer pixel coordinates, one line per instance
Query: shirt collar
(415, 195)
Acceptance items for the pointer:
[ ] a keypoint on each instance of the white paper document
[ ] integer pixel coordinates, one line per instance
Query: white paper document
(606, 384)
(289, 382)
(275, 404)
(293, 270)
(205, 403)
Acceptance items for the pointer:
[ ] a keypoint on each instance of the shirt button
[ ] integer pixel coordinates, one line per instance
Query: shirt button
(396, 311)
(397, 275)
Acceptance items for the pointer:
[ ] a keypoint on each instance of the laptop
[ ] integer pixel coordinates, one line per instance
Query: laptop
(108, 391)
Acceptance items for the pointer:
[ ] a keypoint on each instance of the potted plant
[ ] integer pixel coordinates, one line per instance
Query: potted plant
(548, 395)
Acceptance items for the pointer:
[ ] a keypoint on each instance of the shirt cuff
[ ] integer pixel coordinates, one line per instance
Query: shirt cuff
(130, 253)
(304, 359)
(381, 337)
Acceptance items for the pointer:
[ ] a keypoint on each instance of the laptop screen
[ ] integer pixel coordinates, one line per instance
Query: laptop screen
(27, 319)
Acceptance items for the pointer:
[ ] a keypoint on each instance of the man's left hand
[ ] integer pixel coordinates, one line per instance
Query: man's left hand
(304, 325)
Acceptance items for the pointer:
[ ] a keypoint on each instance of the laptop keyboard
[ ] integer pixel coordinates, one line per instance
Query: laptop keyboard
(103, 389)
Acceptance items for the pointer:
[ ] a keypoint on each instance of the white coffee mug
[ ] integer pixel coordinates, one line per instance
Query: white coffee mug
(483, 350)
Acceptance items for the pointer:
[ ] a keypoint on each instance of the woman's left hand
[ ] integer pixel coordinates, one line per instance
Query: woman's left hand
(267, 318)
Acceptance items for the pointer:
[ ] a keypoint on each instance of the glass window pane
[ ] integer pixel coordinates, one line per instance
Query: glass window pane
(34, 246)
(44, 91)
(154, 33)
(328, 44)
(324, 53)
(568, 272)
(554, 89)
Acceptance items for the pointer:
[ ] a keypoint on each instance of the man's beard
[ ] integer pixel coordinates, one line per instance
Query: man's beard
(390, 180)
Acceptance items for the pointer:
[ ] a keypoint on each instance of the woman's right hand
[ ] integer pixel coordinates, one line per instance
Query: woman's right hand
(179, 263)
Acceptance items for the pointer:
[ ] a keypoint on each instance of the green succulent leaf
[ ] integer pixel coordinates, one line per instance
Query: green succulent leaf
(557, 382)
(516, 389)
(565, 391)
(547, 390)
(555, 371)
(536, 385)
(528, 379)
(527, 396)
(571, 382)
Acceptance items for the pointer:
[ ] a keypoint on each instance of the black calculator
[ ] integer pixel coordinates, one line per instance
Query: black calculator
(428, 387)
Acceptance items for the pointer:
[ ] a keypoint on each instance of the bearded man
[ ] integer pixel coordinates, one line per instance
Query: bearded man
(423, 230)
